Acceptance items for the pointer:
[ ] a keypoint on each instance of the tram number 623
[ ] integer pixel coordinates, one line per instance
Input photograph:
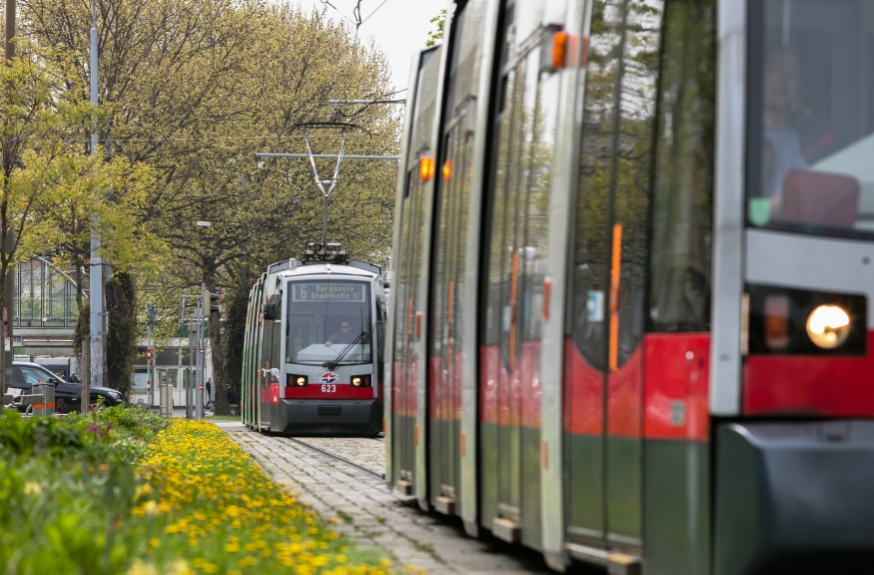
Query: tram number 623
(329, 388)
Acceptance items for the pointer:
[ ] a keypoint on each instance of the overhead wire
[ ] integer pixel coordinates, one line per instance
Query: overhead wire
(328, 3)
(374, 12)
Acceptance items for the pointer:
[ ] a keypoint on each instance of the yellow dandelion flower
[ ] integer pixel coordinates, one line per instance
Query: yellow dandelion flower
(32, 488)
(140, 568)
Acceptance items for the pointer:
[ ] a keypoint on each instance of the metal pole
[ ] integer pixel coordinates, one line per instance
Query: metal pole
(149, 368)
(368, 102)
(8, 313)
(179, 375)
(10, 29)
(198, 397)
(192, 337)
(323, 156)
(182, 377)
(96, 279)
(325, 223)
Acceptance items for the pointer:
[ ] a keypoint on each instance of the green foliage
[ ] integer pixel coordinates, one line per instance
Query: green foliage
(121, 342)
(435, 36)
(65, 484)
(189, 91)
(120, 491)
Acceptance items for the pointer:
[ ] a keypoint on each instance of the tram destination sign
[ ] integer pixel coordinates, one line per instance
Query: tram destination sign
(351, 292)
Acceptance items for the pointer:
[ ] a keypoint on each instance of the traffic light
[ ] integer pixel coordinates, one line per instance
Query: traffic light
(151, 311)
(211, 297)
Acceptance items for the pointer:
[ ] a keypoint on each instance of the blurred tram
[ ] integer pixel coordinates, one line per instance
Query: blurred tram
(632, 266)
(312, 360)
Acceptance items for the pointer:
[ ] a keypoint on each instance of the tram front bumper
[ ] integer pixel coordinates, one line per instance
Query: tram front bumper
(330, 416)
(794, 497)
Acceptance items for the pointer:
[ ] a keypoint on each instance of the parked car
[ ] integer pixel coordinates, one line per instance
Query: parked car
(68, 396)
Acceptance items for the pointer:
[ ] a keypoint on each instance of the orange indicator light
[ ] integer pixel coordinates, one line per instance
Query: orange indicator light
(426, 169)
(448, 167)
(559, 49)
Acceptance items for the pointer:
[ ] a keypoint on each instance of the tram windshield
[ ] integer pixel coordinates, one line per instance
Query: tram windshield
(810, 164)
(327, 320)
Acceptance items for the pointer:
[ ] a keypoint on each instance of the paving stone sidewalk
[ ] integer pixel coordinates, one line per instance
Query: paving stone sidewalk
(364, 451)
(374, 517)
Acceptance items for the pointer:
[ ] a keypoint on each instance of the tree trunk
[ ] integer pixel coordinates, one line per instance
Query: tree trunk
(219, 381)
(82, 333)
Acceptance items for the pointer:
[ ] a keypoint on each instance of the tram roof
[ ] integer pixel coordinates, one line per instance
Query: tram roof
(298, 269)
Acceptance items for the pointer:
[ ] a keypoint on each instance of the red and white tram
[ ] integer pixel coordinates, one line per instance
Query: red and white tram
(632, 264)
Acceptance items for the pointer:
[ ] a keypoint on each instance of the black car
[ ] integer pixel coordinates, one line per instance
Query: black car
(68, 396)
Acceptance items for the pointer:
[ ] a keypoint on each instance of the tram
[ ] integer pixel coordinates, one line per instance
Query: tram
(313, 346)
(632, 269)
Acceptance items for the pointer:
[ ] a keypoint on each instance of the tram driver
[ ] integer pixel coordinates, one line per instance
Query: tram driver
(344, 335)
(793, 136)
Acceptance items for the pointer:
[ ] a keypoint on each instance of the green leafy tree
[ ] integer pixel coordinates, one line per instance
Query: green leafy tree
(235, 302)
(121, 341)
(194, 89)
(435, 36)
(40, 120)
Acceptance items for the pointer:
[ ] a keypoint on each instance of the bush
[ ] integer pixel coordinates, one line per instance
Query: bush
(113, 491)
(64, 486)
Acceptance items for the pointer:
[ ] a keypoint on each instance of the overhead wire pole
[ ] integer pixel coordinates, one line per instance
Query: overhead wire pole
(9, 284)
(96, 276)
(323, 156)
(331, 183)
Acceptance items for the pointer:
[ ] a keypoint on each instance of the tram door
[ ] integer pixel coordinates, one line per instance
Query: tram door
(454, 185)
(410, 299)
(604, 365)
(524, 142)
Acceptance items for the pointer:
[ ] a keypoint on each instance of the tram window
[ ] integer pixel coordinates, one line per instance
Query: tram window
(325, 318)
(811, 116)
(679, 296)
(591, 257)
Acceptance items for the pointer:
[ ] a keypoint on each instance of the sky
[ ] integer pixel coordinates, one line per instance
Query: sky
(400, 27)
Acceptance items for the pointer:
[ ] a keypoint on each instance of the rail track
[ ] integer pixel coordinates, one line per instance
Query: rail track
(331, 446)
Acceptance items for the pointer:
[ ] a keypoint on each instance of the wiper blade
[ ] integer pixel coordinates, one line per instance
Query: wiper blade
(332, 365)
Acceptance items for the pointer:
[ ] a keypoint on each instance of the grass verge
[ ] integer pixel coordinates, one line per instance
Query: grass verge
(117, 492)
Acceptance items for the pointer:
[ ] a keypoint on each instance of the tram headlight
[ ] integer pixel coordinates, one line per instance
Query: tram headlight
(297, 380)
(828, 326)
(361, 381)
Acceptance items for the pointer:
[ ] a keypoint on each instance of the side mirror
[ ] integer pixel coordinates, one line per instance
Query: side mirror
(270, 311)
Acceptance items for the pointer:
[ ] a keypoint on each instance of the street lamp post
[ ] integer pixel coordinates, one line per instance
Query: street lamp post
(98, 316)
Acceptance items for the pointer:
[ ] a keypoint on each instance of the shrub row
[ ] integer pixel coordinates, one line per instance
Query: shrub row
(120, 491)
